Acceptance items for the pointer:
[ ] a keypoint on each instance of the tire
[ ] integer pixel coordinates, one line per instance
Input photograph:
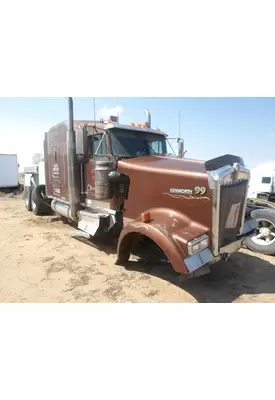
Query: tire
(39, 202)
(264, 240)
(27, 198)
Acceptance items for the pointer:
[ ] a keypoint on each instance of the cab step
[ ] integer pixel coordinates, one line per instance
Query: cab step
(93, 223)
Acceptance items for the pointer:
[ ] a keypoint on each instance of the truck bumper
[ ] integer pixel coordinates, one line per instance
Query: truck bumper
(206, 256)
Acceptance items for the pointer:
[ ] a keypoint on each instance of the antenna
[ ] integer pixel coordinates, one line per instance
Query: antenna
(179, 121)
(94, 111)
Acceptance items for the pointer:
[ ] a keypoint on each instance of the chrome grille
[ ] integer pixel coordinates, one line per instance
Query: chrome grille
(229, 185)
(232, 203)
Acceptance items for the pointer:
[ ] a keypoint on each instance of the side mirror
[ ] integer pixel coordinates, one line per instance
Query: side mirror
(82, 146)
(180, 148)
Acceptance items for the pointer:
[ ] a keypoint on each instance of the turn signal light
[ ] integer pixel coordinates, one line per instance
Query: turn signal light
(198, 244)
(145, 217)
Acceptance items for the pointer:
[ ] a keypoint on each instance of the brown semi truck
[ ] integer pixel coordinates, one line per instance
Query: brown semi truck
(117, 180)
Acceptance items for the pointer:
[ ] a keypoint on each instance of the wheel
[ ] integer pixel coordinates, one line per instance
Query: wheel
(27, 198)
(39, 201)
(35, 204)
(264, 240)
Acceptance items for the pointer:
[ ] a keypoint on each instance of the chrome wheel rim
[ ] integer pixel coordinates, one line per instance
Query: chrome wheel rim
(265, 233)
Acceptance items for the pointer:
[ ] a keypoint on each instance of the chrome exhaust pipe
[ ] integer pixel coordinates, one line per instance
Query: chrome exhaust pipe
(180, 148)
(74, 196)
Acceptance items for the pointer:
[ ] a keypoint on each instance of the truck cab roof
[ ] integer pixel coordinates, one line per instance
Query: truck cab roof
(134, 128)
(110, 126)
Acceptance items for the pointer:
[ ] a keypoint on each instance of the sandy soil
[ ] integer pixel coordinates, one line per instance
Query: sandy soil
(41, 262)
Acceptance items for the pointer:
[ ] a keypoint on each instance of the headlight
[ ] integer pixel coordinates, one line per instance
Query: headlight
(197, 244)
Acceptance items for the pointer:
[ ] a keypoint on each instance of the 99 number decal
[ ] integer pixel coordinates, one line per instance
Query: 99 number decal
(200, 190)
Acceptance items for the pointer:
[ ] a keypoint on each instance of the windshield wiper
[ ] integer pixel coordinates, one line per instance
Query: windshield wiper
(145, 152)
(150, 147)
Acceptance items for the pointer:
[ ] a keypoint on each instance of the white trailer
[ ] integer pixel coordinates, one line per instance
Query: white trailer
(262, 182)
(9, 171)
(35, 174)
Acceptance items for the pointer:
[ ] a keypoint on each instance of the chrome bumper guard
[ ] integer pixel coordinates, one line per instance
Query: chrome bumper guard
(206, 256)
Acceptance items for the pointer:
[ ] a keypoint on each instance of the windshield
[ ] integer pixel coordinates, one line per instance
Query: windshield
(126, 143)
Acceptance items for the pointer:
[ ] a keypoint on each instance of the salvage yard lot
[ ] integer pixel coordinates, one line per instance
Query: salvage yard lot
(41, 262)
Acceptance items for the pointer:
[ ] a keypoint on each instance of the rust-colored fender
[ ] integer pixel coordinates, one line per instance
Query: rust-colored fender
(169, 229)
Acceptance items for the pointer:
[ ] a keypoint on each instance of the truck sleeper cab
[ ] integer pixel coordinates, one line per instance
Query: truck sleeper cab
(117, 179)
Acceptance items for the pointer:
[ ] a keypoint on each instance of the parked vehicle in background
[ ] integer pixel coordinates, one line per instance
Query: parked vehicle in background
(35, 180)
(116, 180)
(9, 172)
(261, 203)
(262, 182)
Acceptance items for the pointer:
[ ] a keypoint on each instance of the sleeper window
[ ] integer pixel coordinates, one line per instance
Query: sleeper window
(266, 179)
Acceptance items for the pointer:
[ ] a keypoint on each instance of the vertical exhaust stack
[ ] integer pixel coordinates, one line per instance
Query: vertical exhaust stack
(74, 195)
(148, 115)
(181, 151)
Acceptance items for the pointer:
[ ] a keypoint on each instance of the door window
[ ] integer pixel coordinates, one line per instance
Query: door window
(99, 145)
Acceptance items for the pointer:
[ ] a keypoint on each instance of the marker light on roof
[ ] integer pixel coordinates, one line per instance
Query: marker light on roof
(138, 124)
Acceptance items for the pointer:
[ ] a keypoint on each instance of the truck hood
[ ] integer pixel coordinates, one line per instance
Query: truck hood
(153, 180)
(165, 165)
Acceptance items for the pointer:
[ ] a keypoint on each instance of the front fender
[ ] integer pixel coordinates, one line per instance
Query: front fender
(169, 229)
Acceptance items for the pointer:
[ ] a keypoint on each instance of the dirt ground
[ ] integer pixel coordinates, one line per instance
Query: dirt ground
(41, 262)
